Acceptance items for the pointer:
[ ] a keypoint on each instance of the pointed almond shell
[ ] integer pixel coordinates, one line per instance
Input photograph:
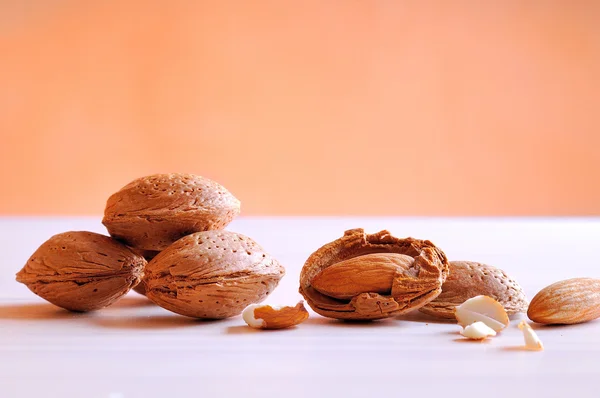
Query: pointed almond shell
(154, 211)
(211, 275)
(82, 271)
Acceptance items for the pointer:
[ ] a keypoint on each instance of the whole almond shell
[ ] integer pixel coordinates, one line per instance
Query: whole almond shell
(211, 275)
(468, 279)
(152, 212)
(567, 302)
(411, 288)
(82, 271)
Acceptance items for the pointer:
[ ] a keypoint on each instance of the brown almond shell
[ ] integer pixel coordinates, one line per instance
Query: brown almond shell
(211, 275)
(82, 271)
(152, 212)
(468, 279)
(140, 288)
(411, 289)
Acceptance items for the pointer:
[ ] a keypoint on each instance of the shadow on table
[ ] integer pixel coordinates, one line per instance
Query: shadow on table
(418, 316)
(47, 311)
(166, 321)
(131, 301)
(318, 321)
(37, 311)
(463, 340)
(539, 326)
(322, 321)
(516, 348)
(245, 329)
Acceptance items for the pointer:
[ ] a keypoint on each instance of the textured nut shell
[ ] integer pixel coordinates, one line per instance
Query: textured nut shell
(411, 289)
(82, 271)
(567, 302)
(211, 275)
(140, 288)
(469, 279)
(152, 212)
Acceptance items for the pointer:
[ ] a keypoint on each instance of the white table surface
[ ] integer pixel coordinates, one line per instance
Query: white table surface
(136, 349)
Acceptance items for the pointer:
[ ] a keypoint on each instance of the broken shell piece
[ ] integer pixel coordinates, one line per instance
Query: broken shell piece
(532, 341)
(477, 331)
(262, 316)
(484, 309)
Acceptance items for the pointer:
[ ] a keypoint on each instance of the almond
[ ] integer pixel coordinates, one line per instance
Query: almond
(152, 212)
(82, 271)
(567, 302)
(211, 275)
(268, 317)
(532, 341)
(373, 276)
(468, 279)
(363, 274)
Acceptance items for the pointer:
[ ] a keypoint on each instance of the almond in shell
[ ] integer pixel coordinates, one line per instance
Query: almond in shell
(211, 275)
(469, 279)
(372, 276)
(82, 271)
(152, 212)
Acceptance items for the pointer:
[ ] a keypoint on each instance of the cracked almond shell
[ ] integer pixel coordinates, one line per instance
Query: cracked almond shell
(82, 271)
(469, 279)
(411, 287)
(211, 275)
(152, 212)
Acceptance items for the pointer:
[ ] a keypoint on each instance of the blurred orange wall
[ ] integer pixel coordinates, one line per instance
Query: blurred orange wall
(309, 107)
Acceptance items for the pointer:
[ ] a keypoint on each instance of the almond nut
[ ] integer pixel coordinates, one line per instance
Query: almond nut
(402, 285)
(268, 317)
(152, 212)
(82, 271)
(532, 341)
(211, 275)
(484, 309)
(469, 279)
(567, 302)
(369, 273)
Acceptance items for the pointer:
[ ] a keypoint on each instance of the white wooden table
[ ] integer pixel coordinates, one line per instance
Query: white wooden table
(135, 349)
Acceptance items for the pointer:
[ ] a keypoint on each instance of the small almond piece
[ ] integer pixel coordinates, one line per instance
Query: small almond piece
(484, 309)
(567, 302)
(532, 341)
(477, 331)
(262, 316)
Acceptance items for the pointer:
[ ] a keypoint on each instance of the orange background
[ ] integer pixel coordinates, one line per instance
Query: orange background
(309, 107)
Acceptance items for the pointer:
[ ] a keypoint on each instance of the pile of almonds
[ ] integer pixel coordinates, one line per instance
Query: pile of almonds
(167, 241)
